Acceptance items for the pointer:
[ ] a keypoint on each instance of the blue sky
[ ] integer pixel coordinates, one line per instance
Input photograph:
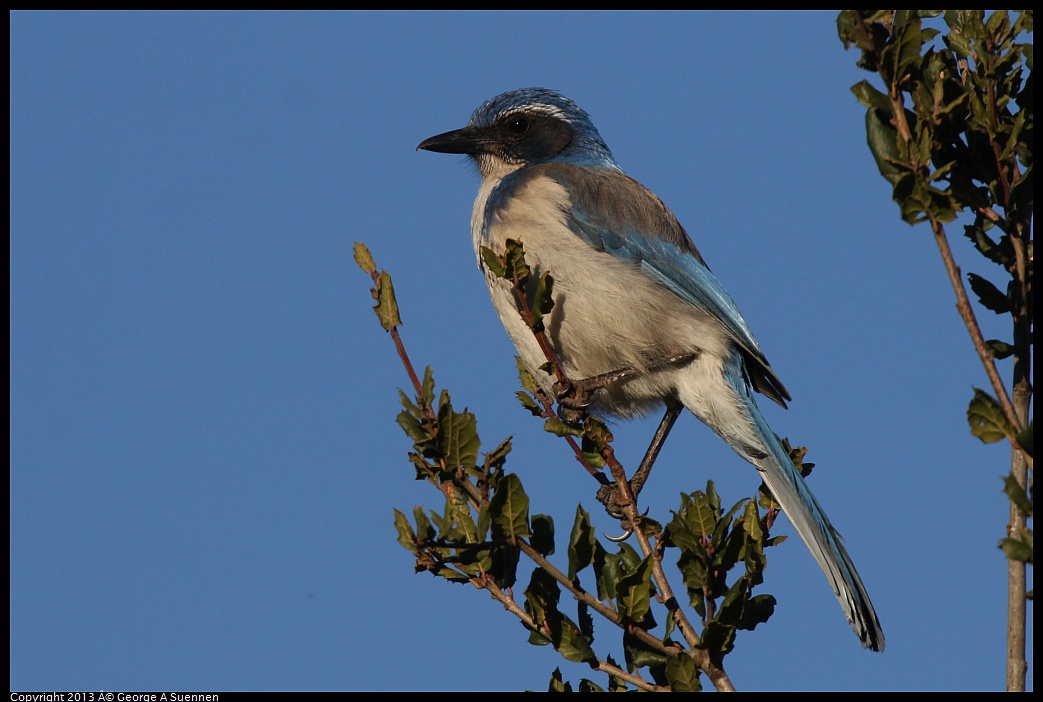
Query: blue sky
(204, 457)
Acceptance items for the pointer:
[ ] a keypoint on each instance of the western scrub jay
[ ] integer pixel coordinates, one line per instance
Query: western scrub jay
(630, 291)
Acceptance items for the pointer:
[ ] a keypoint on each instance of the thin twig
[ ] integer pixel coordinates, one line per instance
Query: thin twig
(963, 306)
(511, 606)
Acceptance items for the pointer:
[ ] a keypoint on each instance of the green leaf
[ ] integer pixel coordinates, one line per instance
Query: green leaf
(640, 655)
(543, 301)
(364, 258)
(683, 674)
(757, 611)
(498, 456)
(411, 426)
(542, 596)
(634, 592)
(1024, 439)
(1017, 495)
(717, 638)
(960, 44)
(543, 534)
(386, 307)
(516, 269)
(608, 569)
(990, 297)
(457, 436)
(573, 645)
(882, 139)
(557, 684)
(1018, 549)
(986, 418)
(1001, 253)
(528, 403)
(509, 510)
(427, 398)
(560, 428)
(871, 97)
(493, 262)
(505, 565)
(406, 536)
(582, 541)
(730, 612)
(589, 686)
(586, 622)
(902, 54)
(1000, 349)
(424, 531)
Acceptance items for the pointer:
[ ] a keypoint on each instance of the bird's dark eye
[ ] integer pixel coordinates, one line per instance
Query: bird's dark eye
(519, 125)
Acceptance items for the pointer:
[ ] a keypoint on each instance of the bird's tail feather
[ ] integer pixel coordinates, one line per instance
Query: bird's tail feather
(730, 410)
(814, 528)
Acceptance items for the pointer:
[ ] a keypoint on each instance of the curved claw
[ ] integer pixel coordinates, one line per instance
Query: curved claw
(620, 539)
(626, 534)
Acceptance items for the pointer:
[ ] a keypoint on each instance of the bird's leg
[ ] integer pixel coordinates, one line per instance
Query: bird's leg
(607, 493)
(575, 396)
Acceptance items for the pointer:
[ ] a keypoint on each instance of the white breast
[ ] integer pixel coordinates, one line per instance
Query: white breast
(607, 316)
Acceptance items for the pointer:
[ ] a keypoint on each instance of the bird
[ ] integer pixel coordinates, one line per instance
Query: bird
(630, 291)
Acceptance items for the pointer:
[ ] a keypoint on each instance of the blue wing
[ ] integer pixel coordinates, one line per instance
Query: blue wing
(614, 213)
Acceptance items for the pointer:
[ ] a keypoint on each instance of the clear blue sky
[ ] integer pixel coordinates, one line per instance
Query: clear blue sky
(204, 457)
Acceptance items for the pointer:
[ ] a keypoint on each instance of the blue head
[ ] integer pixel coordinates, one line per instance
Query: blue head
(526, 127)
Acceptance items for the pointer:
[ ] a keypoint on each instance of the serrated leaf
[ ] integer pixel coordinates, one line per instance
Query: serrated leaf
(989, 296)
(424, 530)
(543, 301)
(509, 510)
(493, 262)
(1019, 549)
(586, 622)
(730, 612)
(560, 428)
(457, 437)
(720, 532)
(516, 269)
(542, 596)
(756, 611)
(557, 684)
(427, 386)
(589, 686)
(411, 426)
(986, 418)
(528, 403)
(406, 536)
(528, 383)
(717, 638)
(457, 524)
(386, 307)
(683, 674)
(364, 258)
(634, 592)
(498, 456)
(1017, 495)
(572, 644)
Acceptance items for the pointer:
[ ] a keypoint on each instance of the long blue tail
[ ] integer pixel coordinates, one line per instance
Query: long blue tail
(800, 505)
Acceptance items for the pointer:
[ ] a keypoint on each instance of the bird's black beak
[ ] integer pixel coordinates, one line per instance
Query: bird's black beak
(459, 141)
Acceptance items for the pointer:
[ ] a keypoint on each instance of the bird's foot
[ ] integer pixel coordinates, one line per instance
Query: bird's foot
(608, 495)
(574, 397)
